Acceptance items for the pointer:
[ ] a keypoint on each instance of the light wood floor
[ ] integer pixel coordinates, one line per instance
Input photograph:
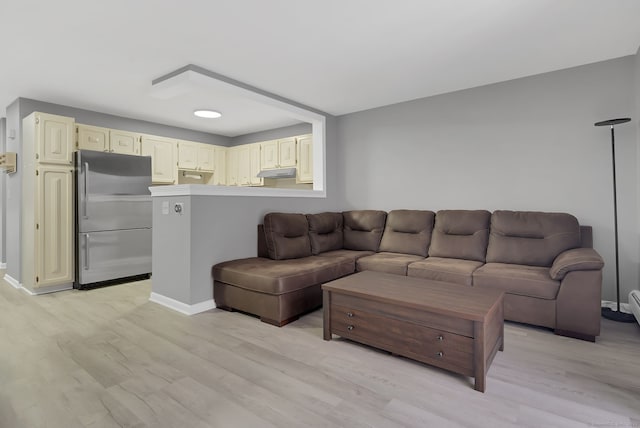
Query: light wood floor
(110, 358)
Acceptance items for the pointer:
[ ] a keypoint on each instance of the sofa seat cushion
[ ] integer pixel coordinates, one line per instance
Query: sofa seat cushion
(457, 271)
(281, 276)
(387, 262)
(349, 254)
(532, 281)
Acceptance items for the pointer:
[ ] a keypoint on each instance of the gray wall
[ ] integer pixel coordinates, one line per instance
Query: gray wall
(21, 108)
(525, 144)
(272, 134)
(13, 196)
(3, 202)
(213, 229)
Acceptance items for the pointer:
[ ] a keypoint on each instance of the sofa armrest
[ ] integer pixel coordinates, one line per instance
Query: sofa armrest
(574, 260)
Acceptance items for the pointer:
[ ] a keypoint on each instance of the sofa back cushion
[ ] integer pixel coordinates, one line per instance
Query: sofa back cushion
(325, 232)
(531, 238)
(461, 234)
(287, 236)
(407, 232)
(363, 229)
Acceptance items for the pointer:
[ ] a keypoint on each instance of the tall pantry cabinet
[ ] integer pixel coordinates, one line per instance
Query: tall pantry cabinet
(47, 202)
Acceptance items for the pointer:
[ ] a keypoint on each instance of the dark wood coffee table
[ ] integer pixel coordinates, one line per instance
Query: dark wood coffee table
(455, 327)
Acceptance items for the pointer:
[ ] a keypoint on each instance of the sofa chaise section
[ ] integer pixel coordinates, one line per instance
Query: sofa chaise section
(285, 284)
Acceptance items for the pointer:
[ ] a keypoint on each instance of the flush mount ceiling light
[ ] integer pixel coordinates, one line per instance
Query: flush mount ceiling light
(207, 114)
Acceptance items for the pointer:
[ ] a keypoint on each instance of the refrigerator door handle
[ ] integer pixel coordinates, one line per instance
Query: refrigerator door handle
(84, 190)
(86, 251)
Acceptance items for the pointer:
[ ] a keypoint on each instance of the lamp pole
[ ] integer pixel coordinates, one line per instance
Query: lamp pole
(615, 315)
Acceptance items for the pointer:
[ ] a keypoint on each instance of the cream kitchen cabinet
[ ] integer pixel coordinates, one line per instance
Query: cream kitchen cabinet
(232, 166)
(92, 138)
(220, 166)
(206, 157)
(53, 139)
(107, 140)
(187, 155)
(47, 203)
(244, 165)
(123, 142)
(254, 165)
(304, 172)
(196, 156)
(279, 153)
(163, 158)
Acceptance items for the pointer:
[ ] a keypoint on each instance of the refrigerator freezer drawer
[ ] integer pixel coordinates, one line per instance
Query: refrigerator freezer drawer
(108, 255)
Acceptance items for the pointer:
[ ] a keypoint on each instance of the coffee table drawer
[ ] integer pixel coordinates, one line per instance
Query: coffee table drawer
(420, 342)
(439, 322)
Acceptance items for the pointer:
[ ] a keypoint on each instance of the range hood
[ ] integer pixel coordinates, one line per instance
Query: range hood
(277, 173)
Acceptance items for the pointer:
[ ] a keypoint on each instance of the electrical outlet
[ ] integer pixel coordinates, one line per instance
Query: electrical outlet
(178, 207)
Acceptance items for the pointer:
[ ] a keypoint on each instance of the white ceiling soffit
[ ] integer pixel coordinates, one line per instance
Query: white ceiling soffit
(243, 110)
(335, 56)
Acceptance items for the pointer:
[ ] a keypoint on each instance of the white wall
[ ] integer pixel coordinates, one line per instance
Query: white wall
(525, 144)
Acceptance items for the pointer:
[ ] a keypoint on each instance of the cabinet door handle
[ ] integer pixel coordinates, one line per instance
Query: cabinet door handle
(86, 251)
(349, 327)
(84, 190)
(440, 338)
(439, 354)
(350, 314)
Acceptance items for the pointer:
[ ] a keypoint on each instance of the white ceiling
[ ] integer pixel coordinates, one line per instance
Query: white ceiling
(338, 56)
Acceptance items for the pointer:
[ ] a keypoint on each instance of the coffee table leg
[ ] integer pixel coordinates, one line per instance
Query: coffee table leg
(326, 315)
(479, 356)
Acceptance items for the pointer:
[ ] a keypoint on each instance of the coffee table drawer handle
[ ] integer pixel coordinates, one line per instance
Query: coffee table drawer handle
(440, 338)
(349, 327)
(440, 354)
(349, 314)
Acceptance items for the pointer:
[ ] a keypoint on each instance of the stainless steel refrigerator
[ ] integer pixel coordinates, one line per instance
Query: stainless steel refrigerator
(113, 217)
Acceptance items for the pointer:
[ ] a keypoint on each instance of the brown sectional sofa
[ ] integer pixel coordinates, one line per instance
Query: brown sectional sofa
(543, 261)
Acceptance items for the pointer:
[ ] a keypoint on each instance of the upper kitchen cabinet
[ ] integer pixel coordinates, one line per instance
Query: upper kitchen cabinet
(304, 173)
(126, 143)
(196, 156)
(54, 139)
(206, 157)
(107, 140)
(279, 153)
(92, 138)
(232, 166)
(220, 167)
(163, 155)
(254, 165)
(187, 155)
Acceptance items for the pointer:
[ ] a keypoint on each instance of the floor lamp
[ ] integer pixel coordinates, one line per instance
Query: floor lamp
(615, 315)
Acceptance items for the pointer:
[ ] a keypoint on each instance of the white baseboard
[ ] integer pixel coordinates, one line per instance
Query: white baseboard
(47, 290)
(3, 265)
(181, 307)
(12, 281)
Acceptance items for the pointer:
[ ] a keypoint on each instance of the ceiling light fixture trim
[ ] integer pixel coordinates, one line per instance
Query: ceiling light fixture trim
(207, 114)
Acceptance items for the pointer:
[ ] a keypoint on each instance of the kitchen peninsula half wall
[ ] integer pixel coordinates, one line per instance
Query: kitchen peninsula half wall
(197, 226)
